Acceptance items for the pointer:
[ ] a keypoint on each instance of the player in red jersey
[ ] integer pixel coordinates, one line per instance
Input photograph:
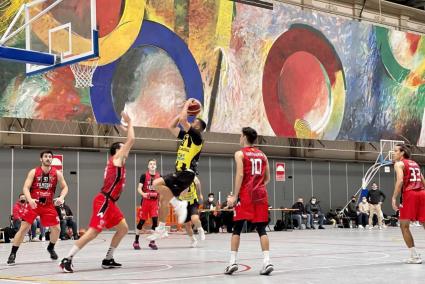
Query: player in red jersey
(149, 203)
(250, 197)
(39, 189)
(106, 213)
(410, 183)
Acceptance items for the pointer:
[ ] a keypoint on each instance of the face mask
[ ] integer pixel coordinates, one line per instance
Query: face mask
(210, 199)
(22, 200)
(313, 202)
(354, 201)
(364, 201)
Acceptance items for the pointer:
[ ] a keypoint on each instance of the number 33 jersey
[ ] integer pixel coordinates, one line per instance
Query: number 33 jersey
(412, 176)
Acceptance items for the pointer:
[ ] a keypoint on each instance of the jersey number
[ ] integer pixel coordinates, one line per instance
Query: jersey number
(256, 166)
(415, 174)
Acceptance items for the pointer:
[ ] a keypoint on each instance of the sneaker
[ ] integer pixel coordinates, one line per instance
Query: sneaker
(361, 227)
(181, 211)
(66, 265)
(159, 233)
(313, 228)
(414, 260)
(110, 263)
(153, 246)
(53, 254)
(231, 268)
(11, 259)
(35, 239)
(136, 245)
(267, 269)
(321, 227)
(201, 234)
(193, 242)
(380, 227)
(370, 227)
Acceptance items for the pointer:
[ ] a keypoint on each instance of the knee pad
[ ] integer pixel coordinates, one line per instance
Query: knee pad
(237, 228)
(140, 225)
(261, 230)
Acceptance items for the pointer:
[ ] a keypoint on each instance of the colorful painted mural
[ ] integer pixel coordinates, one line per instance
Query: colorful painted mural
(286, 72)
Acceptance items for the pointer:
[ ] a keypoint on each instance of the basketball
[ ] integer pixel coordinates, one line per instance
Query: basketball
(194, 108)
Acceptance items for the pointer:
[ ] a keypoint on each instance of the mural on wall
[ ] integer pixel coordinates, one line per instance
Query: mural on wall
(286, 72)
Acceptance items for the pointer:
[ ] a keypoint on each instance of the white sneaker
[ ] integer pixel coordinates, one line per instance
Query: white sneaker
(267, 269)
(380, 227)
(414, 260)
(231, 268)
(181, 211)
(193, 242)
(361, 227)
(159, 233)
(370, 227)
(201, 233)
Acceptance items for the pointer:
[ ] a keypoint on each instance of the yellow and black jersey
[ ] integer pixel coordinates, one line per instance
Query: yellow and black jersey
(191, 196)
(189, 150)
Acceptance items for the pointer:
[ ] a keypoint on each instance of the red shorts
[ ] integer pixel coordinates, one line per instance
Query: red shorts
(246, 209)
(413, 206)
(149, 209)
(48, 215)
(106, 213)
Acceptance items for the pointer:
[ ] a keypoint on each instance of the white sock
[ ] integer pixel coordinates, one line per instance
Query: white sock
(161, 226)
(233, 256)
(175, 202)
(73, 252)
(110, 253)
(413, 252)
(193, 238)
(266, 255)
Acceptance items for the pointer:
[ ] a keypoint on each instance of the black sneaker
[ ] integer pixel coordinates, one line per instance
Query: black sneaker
(110, 263)
(53, 254)
(66, 265)
(230, 269)
(267, 269)
(321, 227)
(11, 260)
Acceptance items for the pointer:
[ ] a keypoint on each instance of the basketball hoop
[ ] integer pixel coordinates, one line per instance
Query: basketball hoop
(83, 72)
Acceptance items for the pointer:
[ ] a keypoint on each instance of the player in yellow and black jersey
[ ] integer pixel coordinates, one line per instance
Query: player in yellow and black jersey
(171, 185)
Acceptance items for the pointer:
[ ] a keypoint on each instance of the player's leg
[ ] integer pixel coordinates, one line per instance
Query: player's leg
(54, 236)
(196, 221)
(152, 243)
(17, 240)
(193, 240)
(234, 247)
(410, 243)
(265, 247)
(139, 228)
(120, 233)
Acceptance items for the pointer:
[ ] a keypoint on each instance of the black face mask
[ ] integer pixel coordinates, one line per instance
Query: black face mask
(22, 201)
(353, 201)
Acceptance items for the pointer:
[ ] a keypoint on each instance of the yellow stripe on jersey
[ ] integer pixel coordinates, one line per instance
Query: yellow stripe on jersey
(187, 154)
(191, 195)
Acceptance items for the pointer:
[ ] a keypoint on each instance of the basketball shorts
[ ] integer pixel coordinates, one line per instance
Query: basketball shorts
(48, 215)
(179, 181)
(413, 208)
(192, 209)
(106, 213)
(255, 211)
(149, 209)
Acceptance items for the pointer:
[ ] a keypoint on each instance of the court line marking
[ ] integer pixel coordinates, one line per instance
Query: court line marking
(167, 267)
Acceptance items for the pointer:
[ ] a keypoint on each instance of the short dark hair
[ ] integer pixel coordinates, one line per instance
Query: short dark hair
(21, 195)
(151, 160)
(405, 149)
(114, 147)
(250, 134)
(202, 122)
(45, 152)
(210, 194)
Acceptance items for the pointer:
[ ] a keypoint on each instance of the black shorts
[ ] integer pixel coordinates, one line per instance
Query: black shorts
(179, 181)
(192, 209)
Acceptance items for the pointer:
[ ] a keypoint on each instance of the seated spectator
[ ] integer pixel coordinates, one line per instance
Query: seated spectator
(34, 226)
(332, 218)
(363, 216)
(351, 211)
(18, 210)
(66, 221)
(211, 219)
(227, 217)
(313, 208)
(300, 214)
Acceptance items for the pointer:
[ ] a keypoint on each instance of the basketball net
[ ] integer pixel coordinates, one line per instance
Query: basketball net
(83, 72)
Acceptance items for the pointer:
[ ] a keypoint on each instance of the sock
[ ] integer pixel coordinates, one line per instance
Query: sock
(266, 255)
(73, 252)
(233, 256)
(175, 202)
(161, 226)
(193, 237)
(413, 252)
(14, 249)
(137, 238)
(50, 246)
(110, 253)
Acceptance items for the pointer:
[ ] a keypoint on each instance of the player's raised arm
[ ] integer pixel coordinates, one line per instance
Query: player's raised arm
(124, 150)
(183, 115)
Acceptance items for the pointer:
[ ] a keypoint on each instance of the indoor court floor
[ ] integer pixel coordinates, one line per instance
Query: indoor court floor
(320, 256)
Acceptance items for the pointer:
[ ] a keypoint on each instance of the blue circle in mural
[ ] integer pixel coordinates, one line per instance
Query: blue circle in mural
(105, 107)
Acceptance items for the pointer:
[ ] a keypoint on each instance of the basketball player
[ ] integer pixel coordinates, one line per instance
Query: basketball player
(106, 213)
(149, 203)
(250, 197)
(410, 183)
(191, 196)
(170, 186)
(39, 190)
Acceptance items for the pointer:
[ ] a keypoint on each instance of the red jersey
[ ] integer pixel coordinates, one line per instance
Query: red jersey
(254, 168)
(411, 176)
(44, 185)
(148, 180)
(114, 180)
(19, 210)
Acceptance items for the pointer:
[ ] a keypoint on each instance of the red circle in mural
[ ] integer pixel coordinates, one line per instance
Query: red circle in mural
(303, 87)
(283, 103)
